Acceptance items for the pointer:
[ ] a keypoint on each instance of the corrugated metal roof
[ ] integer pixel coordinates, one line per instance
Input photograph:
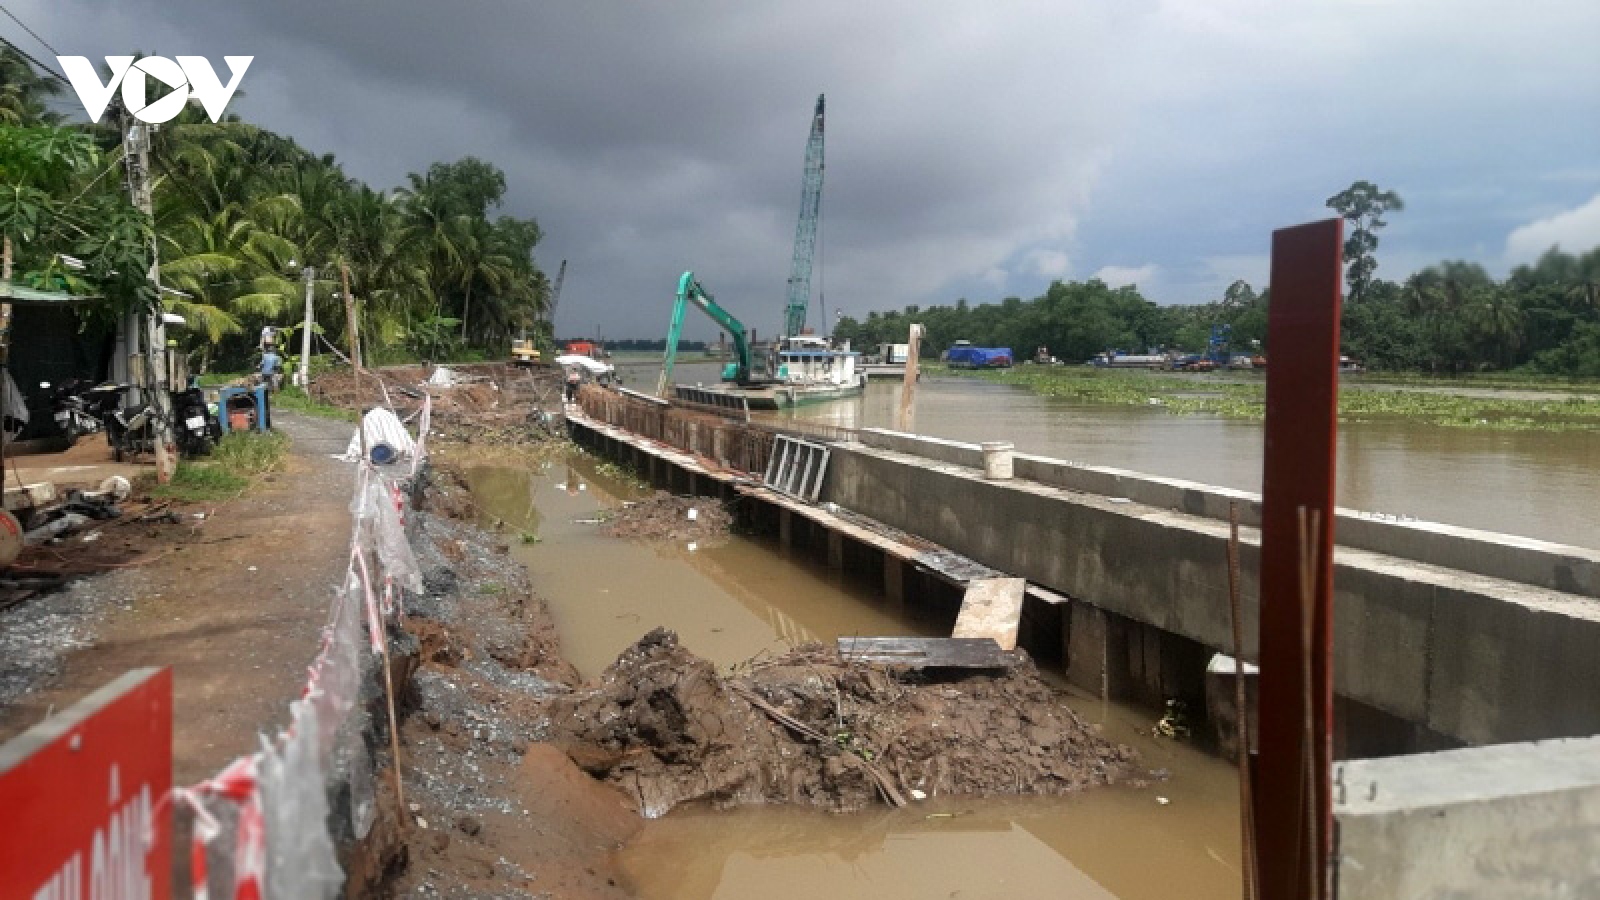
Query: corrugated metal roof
(17, 293)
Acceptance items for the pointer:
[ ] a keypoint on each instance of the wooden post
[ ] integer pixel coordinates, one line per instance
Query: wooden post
(351, 326)
(894, 578)
(908, 390)
(1293, 803)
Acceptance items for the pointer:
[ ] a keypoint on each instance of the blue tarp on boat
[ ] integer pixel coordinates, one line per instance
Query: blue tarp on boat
(978, 357)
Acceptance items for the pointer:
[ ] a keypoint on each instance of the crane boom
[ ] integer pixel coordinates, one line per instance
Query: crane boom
(555, 292)
(805, 233)
(690, 291)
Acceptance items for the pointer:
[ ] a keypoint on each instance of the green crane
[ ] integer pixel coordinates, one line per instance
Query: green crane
(690, 291)
(805, 233)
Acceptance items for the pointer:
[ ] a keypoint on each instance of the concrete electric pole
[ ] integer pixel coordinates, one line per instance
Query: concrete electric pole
(136, 156)
(303, 376)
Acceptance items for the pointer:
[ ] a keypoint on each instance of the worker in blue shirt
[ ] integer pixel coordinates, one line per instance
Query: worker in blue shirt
(270, 364)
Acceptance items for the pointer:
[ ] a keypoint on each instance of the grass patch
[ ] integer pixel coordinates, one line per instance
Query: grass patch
(250, 453)
(1202, 394)
(295, 399)
(238, 460)
(201, 482)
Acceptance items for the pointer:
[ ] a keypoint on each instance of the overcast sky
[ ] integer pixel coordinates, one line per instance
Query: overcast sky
(973, 149)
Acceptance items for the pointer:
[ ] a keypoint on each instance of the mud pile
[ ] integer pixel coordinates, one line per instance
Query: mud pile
(807, 728)
(484, 394)
(664, 516)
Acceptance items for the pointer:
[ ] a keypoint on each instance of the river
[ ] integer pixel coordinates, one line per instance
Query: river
(1540, 484)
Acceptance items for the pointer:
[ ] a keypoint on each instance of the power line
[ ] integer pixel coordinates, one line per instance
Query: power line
(13, 17)
(36, 64)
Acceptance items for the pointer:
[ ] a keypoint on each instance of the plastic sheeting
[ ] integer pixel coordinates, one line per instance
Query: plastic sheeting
(261, 825)
(383, 436)
(300, 859)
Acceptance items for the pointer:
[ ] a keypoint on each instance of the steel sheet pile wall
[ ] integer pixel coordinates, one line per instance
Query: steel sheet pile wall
(730, 444)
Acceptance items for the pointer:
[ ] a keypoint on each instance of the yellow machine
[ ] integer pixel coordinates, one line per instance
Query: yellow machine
(523, 353)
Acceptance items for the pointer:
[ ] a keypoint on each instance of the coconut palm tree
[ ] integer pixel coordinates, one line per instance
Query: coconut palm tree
(23, 92)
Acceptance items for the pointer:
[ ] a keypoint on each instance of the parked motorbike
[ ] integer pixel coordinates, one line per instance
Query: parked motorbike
(196, 430)
(130, 430)
(79, 409)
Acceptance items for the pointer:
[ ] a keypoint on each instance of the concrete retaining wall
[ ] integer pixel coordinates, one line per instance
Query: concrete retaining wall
(1559, 567)
(1479, 659)
(1517, 820)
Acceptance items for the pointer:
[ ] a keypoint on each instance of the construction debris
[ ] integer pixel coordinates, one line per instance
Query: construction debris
(809, 728)
(664, 516)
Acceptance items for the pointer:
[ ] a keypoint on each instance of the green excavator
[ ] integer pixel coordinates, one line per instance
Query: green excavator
(741, 370)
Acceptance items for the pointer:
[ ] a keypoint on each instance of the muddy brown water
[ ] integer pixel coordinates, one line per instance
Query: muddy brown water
(1177, 837)
(1539, 484)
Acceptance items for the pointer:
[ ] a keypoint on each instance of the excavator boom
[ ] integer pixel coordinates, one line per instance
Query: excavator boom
(690, 291)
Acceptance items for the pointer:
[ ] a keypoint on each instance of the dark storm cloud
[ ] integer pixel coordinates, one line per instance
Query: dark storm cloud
(965, 142)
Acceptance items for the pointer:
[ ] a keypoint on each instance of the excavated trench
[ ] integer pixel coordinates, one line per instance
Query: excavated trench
(1167, 829)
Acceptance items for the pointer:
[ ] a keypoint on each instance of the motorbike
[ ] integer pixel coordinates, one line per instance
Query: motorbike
(80, 410)
(197, 431)
(131, 430)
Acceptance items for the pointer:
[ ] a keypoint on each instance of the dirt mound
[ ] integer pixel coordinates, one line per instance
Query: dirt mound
(484, 394)
(664, 726)
(664, 516)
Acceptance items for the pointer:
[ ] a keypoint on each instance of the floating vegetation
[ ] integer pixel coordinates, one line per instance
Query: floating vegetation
(1191, 394)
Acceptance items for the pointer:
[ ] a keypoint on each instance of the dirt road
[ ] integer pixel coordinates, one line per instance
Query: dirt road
(235, 609)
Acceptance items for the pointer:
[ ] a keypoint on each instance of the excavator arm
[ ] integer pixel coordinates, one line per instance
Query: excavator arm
(690, 291)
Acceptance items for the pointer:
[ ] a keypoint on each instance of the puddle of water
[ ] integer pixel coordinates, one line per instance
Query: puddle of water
(730, 603)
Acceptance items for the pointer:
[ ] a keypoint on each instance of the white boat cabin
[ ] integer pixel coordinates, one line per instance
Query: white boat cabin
(810, 360)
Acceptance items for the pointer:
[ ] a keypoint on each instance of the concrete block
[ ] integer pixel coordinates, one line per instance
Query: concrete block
(991, 608)
(1512, 820)
(1519, 668)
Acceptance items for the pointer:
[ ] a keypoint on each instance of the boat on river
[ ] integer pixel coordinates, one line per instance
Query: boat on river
(801, 369)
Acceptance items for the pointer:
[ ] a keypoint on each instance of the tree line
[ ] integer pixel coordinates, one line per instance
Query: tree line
(1450, 318)
(240, 211)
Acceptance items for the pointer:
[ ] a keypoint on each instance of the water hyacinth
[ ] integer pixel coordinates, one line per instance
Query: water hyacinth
(1369, 400)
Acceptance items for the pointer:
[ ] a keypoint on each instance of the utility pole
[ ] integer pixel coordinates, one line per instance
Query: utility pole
(136, 155)
(352, 328)
(303, 377)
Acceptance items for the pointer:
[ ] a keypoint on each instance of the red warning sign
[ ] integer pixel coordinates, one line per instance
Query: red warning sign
(83, 798)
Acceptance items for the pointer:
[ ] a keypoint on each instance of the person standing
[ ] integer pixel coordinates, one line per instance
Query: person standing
(271, 364)
(573, 380)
